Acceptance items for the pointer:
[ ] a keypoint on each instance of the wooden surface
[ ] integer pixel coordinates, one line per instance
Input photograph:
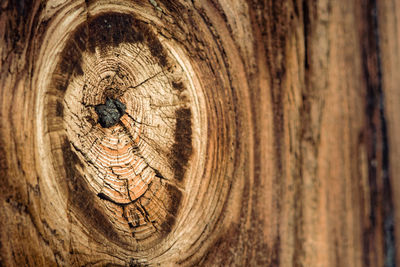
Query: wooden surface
(256, 133)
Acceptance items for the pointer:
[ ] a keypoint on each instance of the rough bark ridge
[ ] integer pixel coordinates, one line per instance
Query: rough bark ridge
(212, 133)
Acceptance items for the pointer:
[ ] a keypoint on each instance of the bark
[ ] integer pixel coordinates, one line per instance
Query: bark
(211, 133)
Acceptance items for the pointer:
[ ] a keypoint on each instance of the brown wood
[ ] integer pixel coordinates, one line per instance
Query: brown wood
(256, 133)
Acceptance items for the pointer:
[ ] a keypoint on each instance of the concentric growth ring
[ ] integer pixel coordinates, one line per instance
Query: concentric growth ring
(129, 162)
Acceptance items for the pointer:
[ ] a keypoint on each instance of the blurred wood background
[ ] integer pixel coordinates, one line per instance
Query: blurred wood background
(302, 109)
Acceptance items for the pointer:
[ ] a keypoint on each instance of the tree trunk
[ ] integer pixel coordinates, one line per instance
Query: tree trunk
(212, 133)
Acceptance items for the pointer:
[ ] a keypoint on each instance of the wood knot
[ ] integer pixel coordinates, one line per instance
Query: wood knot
(133, 161)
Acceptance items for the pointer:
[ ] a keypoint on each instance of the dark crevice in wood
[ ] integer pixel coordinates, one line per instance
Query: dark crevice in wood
(381, 201)
(306, 31)
(388, 208)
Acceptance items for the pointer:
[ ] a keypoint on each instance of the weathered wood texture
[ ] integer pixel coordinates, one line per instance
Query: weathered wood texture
(256, 133)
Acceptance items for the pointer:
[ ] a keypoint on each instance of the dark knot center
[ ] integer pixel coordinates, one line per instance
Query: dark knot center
(110, 112)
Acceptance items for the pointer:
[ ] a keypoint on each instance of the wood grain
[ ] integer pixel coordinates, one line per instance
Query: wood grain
(256, 133)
